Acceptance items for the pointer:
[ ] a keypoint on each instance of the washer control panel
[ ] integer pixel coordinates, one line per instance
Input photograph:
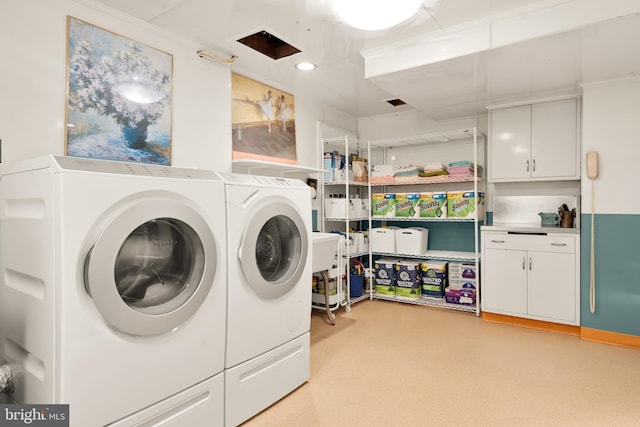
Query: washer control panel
(127, 168)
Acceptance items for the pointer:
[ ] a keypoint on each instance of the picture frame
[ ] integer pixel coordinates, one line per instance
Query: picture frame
(262, 121)
(118, 97)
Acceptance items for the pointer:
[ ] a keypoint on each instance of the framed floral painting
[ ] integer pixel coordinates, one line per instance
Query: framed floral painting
(262, 122)
(118, 97)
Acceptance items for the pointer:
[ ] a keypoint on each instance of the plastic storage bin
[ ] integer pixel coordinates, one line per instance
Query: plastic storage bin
(412, 240)
(383, 240)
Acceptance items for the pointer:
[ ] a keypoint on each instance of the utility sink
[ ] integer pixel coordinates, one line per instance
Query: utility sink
(324, 250)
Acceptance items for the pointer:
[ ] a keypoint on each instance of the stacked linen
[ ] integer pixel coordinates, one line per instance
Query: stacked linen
(382, 174)
(433, 169)
(410, 173)
(461, 169)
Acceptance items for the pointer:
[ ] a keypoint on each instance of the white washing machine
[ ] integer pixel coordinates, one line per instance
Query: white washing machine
(269, 291)
(113, 289)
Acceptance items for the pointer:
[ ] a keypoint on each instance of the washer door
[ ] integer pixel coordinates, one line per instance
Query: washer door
(151, 267)
(273, 249)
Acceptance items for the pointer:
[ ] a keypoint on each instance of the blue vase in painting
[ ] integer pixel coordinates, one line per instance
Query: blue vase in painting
(135, 134)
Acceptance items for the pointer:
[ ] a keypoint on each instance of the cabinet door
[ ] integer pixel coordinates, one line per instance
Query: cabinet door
(554, 141)
(552, 286)
(510, 143)
(504, 288)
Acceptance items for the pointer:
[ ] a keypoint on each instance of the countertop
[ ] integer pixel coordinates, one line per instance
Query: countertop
(528, 228)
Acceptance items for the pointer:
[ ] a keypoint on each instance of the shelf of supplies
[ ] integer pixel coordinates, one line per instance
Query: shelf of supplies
(436, 255)
(252, 165)
(431, 302)
(441, 179)
(400, 219)
(343, 183)
(347, 219)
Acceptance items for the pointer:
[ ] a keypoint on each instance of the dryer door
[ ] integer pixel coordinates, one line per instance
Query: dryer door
(151, 267)
(273, 249)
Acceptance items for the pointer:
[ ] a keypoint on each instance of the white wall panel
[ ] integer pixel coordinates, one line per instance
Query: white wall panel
(611, 126)
(33, 82)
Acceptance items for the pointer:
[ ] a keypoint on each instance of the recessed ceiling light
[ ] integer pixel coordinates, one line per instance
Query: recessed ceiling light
(305, 66)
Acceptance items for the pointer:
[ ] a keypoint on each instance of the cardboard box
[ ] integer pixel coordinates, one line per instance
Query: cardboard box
(464, 296)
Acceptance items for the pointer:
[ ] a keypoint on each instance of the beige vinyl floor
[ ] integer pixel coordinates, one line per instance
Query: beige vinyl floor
(393, 364)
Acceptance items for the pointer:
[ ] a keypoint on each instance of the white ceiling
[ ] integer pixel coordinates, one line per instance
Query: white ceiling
(450, 89)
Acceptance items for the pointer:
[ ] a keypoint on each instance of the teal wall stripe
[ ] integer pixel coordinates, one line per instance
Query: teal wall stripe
(617, 264)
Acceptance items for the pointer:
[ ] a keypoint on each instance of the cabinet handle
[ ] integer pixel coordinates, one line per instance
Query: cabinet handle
(529, 263)
(534, 165)
(527, 165)
(523, 263)
(558, 244)
(497, 241)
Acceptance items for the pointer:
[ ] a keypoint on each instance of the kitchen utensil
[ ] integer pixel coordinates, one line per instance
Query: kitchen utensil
(566, 217)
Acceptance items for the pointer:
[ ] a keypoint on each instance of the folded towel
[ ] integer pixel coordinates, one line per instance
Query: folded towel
(434, 166)
(427, 173)
(382, 179)
(461, 163)
(384, 168)
(408, 170)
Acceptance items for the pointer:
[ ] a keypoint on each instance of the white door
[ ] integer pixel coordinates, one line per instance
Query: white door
(554, 139)
(504, 288)
(510, 143)
(151, 267)
(552, 286)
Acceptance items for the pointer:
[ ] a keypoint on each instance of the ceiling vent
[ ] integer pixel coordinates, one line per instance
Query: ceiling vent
(268, 44)
(396, 102)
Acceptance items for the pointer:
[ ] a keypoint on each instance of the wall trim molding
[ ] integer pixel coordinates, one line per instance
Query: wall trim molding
(532, 324)
(608, 337)
(587, 334)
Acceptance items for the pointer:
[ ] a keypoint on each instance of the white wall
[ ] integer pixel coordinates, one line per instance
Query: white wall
(33, 85)
(611, 126)
(32, 106)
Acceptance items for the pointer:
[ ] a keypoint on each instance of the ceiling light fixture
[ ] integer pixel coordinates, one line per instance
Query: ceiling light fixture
(375, 15)
(305, 66)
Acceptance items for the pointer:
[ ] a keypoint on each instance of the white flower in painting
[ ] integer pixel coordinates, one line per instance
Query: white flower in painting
(125, 86)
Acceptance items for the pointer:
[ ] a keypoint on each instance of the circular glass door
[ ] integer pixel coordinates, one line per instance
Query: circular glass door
(159, 266)
(151, 268)
(273, 251)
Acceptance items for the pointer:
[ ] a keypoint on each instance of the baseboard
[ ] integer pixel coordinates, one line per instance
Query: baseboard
(530, 323)
(608, 337)
(587, 334)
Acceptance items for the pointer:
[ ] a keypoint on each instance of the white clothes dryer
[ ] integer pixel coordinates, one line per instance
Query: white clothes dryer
(113, 289)
(269, 291)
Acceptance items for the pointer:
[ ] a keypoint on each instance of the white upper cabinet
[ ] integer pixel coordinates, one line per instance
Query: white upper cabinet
(535, 142)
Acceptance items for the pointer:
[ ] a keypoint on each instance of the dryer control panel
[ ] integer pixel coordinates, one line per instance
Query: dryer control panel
(259, 180)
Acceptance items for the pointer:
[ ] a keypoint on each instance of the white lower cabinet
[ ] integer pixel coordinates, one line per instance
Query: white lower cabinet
(531, 275)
